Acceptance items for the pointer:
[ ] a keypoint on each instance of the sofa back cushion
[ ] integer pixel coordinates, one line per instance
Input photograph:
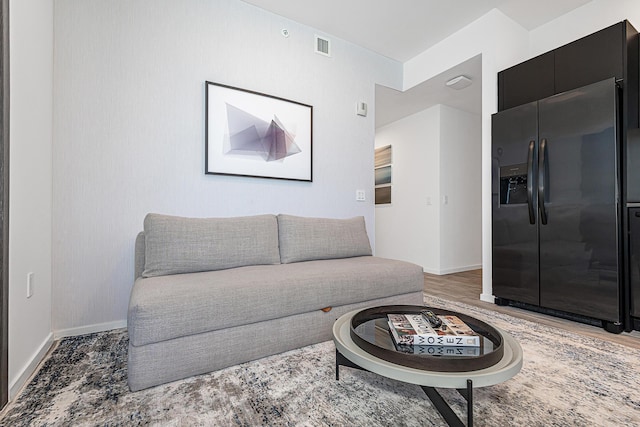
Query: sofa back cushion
(306, 239)
(176, 245)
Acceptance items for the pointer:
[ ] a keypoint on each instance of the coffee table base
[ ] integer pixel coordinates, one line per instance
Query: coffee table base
(443, 407)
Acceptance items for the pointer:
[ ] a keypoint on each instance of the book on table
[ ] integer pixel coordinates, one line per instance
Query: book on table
(438, 350)
(413, 329)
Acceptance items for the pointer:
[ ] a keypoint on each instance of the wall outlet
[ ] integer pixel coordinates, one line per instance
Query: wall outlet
(361, 196)
(29, 285)
(445, 200)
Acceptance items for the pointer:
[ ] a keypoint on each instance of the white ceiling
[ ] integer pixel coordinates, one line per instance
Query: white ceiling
(402, 29)
(393, 105)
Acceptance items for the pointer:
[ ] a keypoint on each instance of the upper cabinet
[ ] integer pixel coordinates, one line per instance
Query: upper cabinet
(591, 59)
(611, 52)
(526, 82)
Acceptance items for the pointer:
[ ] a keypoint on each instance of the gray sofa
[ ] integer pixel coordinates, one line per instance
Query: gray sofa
(214, 292)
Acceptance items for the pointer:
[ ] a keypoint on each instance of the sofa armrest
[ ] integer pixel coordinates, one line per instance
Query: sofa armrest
(139, 255)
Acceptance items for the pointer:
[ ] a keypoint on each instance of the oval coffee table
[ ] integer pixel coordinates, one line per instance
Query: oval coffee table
(373, 349)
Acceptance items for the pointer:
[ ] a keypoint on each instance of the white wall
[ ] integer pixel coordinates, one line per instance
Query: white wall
(129, 132)
(434, 155)
(460, 177)
(31, 82)
(502, 43)
(408, 229)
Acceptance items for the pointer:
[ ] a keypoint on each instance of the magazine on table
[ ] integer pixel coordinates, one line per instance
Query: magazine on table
(413, 329)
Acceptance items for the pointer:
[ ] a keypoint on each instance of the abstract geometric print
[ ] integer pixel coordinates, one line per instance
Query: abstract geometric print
(250, 135)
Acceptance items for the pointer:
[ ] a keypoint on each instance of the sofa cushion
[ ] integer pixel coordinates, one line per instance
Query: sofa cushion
(306, 239)
(167, 307)
(176, 245)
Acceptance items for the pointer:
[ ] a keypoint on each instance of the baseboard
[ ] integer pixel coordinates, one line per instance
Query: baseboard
(30, 368)
(90, 329)
(461, 269)
(453, 270)
(488, 298)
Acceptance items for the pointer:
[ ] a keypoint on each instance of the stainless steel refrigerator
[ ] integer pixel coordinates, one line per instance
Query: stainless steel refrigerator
(556, 204)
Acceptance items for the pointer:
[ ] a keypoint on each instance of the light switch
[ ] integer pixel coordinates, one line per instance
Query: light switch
(29, 285)
(361, 109)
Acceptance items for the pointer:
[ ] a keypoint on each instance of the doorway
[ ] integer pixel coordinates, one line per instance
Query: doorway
(434, 218)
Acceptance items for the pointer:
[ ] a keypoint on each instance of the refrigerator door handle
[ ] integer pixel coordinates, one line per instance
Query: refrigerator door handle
(532, 212)
(542, 169)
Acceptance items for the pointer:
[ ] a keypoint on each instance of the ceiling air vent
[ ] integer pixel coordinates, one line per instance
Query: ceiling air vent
(323, 46)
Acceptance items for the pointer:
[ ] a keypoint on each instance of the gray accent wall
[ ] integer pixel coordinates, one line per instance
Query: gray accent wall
(129, 97)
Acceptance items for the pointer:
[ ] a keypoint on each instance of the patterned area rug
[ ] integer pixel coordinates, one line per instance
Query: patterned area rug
(566, 379)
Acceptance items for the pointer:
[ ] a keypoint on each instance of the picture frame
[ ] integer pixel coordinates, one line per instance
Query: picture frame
(383, 195)
(253, 134)
(382, 175)
(382, 156)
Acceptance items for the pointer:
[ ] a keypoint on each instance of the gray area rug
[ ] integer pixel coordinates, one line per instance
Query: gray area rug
(566, 380)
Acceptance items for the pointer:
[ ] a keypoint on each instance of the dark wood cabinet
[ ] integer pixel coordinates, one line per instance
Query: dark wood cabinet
(526, 82)
(591, 59)
(632, 156)
(611, 52)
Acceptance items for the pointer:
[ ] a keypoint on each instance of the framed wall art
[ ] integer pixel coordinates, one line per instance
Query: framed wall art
(382, 170)
(383, 195)
(382, 156)
(249, 133)
(383, 175)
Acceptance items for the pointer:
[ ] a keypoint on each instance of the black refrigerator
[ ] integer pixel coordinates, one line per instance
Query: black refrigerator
(556, 205)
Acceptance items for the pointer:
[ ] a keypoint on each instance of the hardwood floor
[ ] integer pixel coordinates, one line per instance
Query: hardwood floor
(466, 287)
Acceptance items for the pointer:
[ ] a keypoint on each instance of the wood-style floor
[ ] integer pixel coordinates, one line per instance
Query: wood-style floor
(466, 287)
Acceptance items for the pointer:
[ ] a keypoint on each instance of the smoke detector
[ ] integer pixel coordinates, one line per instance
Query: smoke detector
(459, 82)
